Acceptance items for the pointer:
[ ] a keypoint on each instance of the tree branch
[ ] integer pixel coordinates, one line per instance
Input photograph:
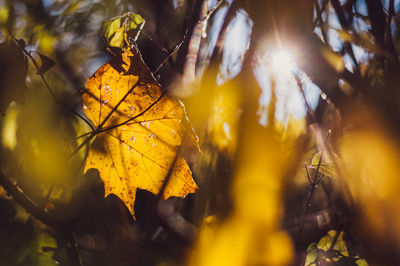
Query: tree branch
(62, 227)
(21, 198)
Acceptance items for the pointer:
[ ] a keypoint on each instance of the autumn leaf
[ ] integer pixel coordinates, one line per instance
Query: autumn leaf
(140, 128)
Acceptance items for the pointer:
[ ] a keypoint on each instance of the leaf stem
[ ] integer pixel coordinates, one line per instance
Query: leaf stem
(171, 52)
(313, 186)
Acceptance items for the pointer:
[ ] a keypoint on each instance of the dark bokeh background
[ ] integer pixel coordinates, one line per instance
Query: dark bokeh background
(257, 125)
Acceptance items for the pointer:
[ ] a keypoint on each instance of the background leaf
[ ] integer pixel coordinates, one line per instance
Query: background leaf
(47, 63)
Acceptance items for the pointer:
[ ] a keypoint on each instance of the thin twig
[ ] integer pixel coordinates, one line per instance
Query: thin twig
(389, 38)
(47, 197)
(334, 240)
(308, 175)
(315, 21)
(210, 12)
(28, 54)
(313, 186)
(171, 53)
(19, 196)
(321, 23)
(345, 26)
(309, 109)
(320, 158)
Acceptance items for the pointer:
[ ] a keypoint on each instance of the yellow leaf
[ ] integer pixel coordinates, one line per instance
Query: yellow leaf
(140, 129)
(334, 59)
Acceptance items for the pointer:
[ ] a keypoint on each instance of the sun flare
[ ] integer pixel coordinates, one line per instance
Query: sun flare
(282, 61)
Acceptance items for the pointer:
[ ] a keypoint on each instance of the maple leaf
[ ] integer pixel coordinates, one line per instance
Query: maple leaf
(139, 129)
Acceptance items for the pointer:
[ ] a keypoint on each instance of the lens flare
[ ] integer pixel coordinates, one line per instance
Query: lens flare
(282, 62)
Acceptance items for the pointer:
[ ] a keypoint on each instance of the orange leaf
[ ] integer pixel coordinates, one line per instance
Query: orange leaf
(140, 129)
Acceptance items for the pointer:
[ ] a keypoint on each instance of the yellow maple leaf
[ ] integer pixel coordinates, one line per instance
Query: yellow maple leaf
(139, 130)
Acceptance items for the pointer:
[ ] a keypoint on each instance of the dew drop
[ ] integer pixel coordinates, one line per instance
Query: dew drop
(132, 108)
(104, 103)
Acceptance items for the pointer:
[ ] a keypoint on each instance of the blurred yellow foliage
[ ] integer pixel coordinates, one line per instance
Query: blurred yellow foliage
(222, 123)
(46, 40)
(38, 143)
(9, 127)
(251, 236)
(40, 150)
(4, 12)
(291, 129)
(334, 59)
(370, 166)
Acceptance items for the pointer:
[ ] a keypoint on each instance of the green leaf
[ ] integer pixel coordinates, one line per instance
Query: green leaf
(326, 242)
(327, 167)
(324, 254)
(46, 244)
(115, 30)
(312, 254)
(110, 27)
(361, 262)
